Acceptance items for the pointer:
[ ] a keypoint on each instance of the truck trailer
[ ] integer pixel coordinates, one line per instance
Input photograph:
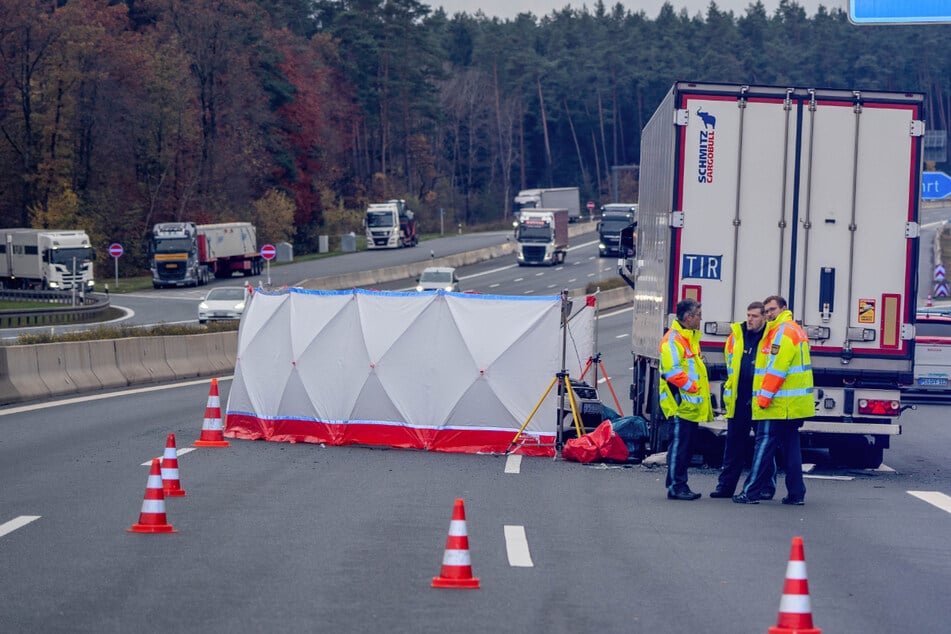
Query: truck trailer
(551, 198)
(46, 259)
(750, 191)
(390, 225)
(541, 237)
(186, 254)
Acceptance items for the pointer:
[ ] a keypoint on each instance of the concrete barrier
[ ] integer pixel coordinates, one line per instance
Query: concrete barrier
(24, 373)
(183, 358)
(102, 359)
(51, 363)
(142, 360)
(79, 366)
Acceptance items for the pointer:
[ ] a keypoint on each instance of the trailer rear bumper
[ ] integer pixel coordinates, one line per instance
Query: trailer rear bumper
(828, 427)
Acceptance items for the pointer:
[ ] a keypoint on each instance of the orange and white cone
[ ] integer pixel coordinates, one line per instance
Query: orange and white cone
(171, 485)
(152, 518)
(212, 431)
(456, 569)
(795, 614)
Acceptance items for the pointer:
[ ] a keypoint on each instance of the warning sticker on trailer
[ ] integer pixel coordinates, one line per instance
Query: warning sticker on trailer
(866, 311)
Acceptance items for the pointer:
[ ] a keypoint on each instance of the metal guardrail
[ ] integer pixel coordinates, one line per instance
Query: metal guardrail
(87, 306)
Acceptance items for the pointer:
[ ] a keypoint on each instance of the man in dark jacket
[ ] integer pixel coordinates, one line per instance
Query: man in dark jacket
(740, 351)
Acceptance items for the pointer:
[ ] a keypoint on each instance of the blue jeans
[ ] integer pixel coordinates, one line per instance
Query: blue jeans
(735, 451)
(771, 434)
(678, 454)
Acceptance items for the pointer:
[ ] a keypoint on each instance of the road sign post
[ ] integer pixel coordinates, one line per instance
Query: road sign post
(268, 252)
(935, 185)
(115, 250)
(900, 11)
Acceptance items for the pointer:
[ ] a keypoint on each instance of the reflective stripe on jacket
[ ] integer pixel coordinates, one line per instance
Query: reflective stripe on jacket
(733, 361)
(782, 383)
(682, 366)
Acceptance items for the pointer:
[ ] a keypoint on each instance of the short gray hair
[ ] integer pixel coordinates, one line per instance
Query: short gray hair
(686, 307)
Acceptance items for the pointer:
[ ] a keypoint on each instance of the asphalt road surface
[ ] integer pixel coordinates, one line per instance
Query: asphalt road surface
(307, 538)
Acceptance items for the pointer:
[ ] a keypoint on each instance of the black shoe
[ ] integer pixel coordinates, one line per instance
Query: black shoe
(683, 495)
(793, 501)
(767, 496)
(720, 493)
(742, 499)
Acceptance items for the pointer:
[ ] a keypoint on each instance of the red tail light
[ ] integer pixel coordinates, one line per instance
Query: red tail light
(879, 407)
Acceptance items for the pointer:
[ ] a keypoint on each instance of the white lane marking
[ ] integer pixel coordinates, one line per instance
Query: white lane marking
(934, 498)
(621, 336)
(513, 464)
(178, 453)
(516, 546)
(18, 522)
(928, 225)
(496, 285)
(539, 274)
(519, 279)
(884, 468)
(552, 285)
(573, 279)
(827, 477)
(807, 467)
(529, 292)
(99, 397)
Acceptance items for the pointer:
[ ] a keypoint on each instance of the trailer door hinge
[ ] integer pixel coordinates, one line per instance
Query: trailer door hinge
(917, 128)
(912, 230)
(907, 332)
(681, 117)
(677, 219)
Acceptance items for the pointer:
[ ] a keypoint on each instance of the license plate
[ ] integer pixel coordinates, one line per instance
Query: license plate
(928, 380)
(590, 408)
(171, 266)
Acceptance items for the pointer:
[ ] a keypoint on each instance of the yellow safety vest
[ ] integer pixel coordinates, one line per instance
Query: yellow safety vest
(733, 361)
(782, 383)
(682, 366)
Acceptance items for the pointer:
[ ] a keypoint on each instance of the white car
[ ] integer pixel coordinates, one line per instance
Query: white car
(224, 302)
(933, 351)
(437, 278)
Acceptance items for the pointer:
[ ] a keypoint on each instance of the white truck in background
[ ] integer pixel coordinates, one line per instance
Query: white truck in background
(541, 237)
(46, 259)
(186, 254)
(552, 198)
(390, 225)
(749, 191)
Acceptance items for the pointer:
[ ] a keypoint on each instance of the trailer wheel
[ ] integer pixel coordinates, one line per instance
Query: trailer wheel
(859, 452)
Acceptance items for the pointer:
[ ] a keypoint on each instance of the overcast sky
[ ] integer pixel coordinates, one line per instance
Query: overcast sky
(510, 8)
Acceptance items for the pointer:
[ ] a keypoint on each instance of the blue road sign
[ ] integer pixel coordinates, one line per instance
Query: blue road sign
(935, 185)
(900, 11)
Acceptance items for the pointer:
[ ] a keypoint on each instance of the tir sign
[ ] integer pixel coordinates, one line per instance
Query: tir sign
(704, 267)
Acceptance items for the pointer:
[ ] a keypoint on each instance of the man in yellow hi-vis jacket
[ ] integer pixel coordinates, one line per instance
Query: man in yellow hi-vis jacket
(684, 393)
(782, 400)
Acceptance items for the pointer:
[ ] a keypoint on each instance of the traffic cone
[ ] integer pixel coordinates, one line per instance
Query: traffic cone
(795, 614)
(929, 302)
(171, 485)
(152, 518)
(212, 433)
(456, 569)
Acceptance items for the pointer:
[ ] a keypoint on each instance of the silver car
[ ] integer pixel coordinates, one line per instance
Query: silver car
(224, 302)
(437, 278)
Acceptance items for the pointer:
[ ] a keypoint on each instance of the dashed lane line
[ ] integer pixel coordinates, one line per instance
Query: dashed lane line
(513, 464)
(934, 498)
(18, 522)
(516, 546)
(178, 453)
